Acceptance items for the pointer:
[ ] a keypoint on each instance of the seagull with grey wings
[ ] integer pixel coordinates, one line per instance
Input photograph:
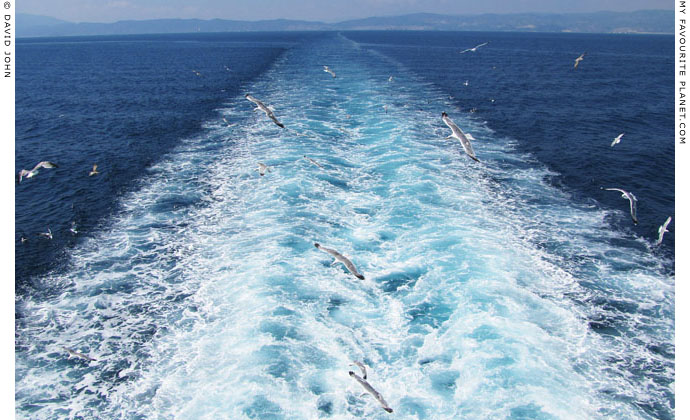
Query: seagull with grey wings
(578, 59)
(261, 107)
(617, 139)
(328, 70)
(370, 389)
(473, 49)
(631, 197)
(458, 134)
(29, 174)
(662, 230)
(341, 258)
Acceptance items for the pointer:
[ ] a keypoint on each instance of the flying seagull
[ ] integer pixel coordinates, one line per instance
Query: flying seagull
(631, 198)
(340, 258)
(372, 391)
(578, 59)
(662, 230)
(390, 78)
(197, 73)
(94, 171)
(48, 234)
(617, 139)
(458, 134)
(313, 161)
(73, 228)
(263, 168)
(328, 70)
(264, 108)
(77, 354)
(473, 49)
(28, 174)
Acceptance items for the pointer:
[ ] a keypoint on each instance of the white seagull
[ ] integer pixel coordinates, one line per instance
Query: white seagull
(617, 139)
(631, 198)
(77, 354)
(262, 169)
(473, 49)
(313, 161)
(328, 70)
(73, 228)
(390, 78)
(578, 59)
(340, 258)
(372, 391)
(28, 174)
(458, 134)
(48, 234)
(197, 73)
(662, 230)
(264, 108)
(94, 171)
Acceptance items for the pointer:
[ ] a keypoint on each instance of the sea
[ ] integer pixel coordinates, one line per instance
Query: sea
(516, 287)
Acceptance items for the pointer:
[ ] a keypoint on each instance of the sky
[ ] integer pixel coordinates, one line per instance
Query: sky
(313, 10)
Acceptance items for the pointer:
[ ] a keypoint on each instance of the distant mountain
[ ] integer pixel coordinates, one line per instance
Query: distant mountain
(643, 21)
(29, 21)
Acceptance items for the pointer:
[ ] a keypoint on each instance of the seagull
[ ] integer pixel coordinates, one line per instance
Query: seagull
(77, 354)
(390, 78)
(617, 139)
(313, 161)
(28, 174)
(467, 83)
(662, 230)
(474, 49)
(227, 68)
(73, 229)
(197, 73)
(262, 169)
(328, 70)
(48, 234)
(264, 108)
(578, 59)
(372, 391)
(631, 198)
(361, 367)
(458, 134)
(94, 171)
(340, 258)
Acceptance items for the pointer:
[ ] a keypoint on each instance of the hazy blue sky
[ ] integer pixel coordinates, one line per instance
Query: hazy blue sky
(323, 10)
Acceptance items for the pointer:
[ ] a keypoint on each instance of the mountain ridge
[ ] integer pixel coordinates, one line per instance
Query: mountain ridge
(641, 21)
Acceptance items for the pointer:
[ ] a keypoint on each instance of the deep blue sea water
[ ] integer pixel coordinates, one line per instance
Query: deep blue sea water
(510, 288)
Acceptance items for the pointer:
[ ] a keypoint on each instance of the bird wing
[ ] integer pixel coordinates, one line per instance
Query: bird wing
(362, 368)
(350, 266)
(44, 164)
(273, 117)
(616, 189)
